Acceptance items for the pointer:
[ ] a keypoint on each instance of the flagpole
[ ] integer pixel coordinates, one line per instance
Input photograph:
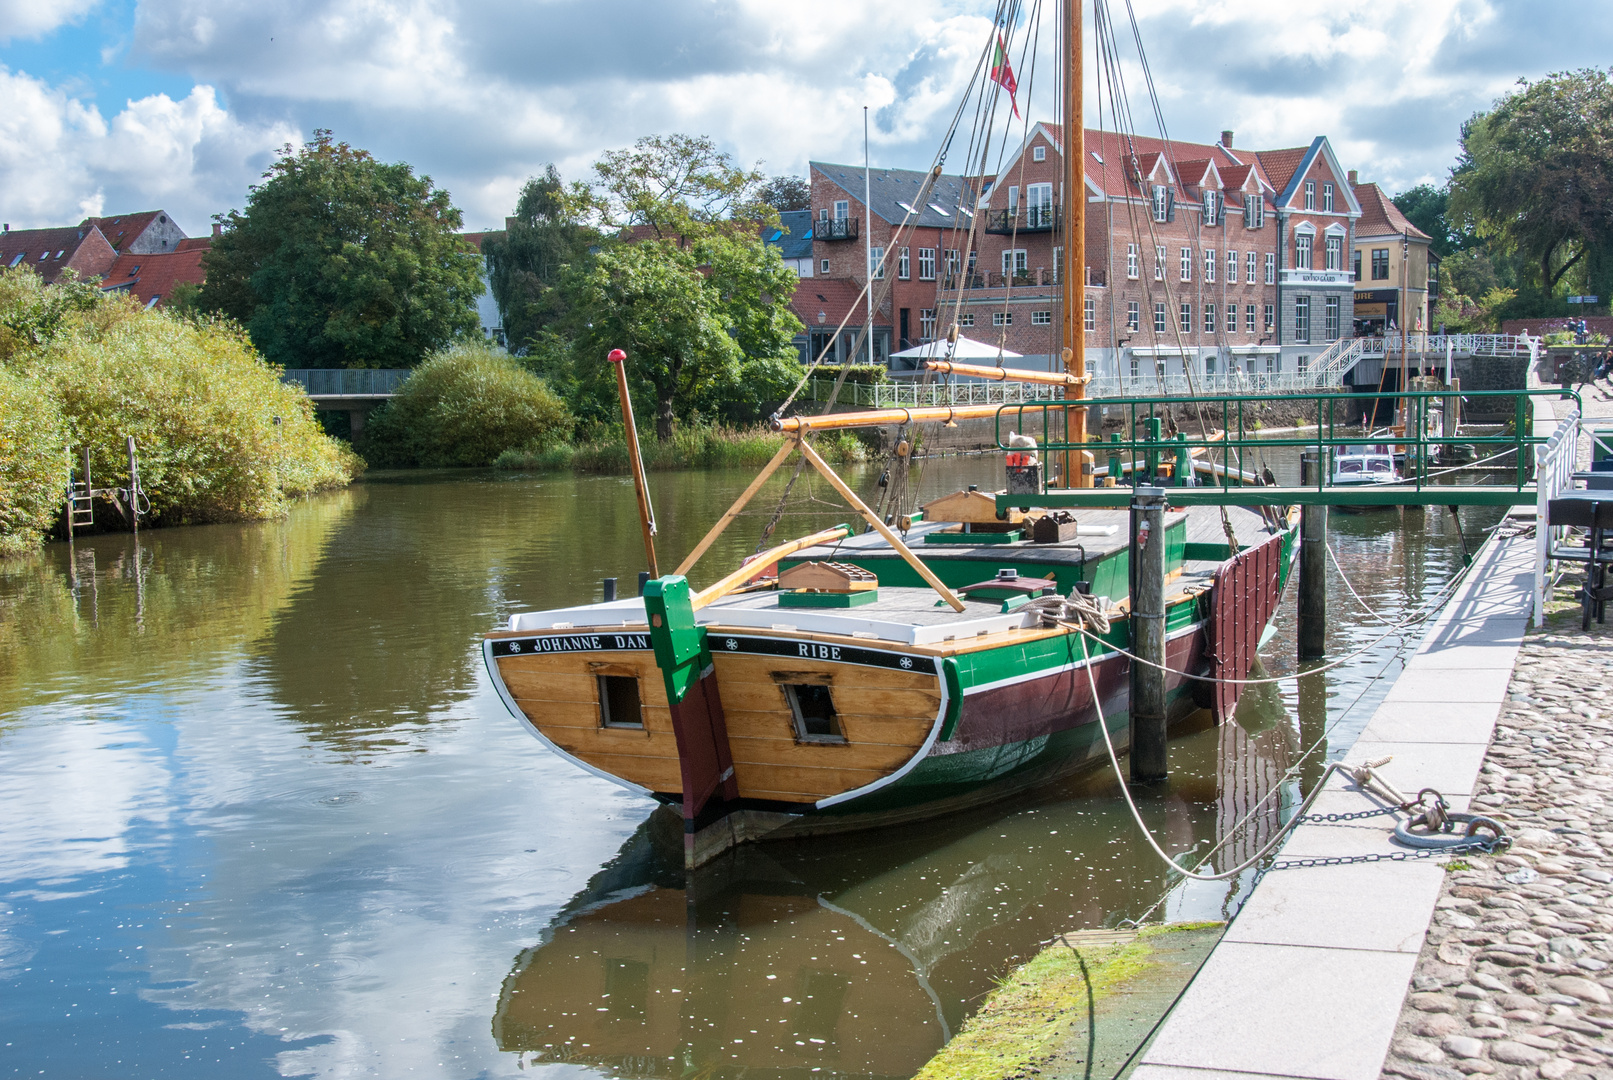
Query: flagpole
(868, 237)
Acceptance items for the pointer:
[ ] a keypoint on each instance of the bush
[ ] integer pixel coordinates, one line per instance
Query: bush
(690, 447)
(220, 437)
(33, 461)
(465, 405)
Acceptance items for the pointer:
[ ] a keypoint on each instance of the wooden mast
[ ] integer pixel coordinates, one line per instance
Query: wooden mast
(1075, 261)
(646, 516)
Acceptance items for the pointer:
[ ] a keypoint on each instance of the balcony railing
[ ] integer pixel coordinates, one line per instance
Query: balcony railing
(835, 228)
(1024, 219)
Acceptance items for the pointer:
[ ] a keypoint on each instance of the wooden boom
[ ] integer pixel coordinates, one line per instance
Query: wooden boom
(1046, 378)
(874, 417)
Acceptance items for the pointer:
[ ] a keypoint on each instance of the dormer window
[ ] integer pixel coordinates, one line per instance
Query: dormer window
(136, 271)
(1254, 211)
(1212, 207)
(1164, 203)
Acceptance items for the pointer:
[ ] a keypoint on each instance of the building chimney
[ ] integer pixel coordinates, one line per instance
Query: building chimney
(1226, 139)
(1355, 178)
(7, 227)
(218, 229)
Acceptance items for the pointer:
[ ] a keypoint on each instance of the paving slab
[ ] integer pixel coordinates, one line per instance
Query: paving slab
(1433, 722)
(1325, 1014)
(1356, 906)
(1418, 683)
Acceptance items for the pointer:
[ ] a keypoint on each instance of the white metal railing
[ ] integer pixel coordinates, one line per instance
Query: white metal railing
(915, 394)
(1554, 473)
(1336, 362)
(1462, 345)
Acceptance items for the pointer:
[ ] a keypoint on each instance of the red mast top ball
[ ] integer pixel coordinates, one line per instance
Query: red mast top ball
(616, 356)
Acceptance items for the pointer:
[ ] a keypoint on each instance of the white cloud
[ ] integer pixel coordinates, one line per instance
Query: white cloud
(482, 95)
(35, 18)
(60, 159)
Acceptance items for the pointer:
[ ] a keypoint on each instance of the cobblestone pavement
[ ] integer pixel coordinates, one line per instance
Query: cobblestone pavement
(1514, 978)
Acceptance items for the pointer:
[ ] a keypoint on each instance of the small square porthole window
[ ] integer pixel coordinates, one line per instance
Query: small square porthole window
(619, 702)
(814, 710)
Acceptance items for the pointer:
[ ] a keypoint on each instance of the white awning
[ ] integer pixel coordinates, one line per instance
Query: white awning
(968, 349)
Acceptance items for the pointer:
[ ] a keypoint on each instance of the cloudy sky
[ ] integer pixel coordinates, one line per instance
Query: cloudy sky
(118, 105)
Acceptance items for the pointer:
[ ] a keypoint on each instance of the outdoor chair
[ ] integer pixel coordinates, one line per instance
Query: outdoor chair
(1597, 553)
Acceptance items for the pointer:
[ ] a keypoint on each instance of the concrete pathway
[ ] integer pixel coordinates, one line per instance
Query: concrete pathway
(1311, 976)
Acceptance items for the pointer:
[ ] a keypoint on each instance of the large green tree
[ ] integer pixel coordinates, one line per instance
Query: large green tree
(680, 187)
(1535, 175)
(545, 235)
(340, 260)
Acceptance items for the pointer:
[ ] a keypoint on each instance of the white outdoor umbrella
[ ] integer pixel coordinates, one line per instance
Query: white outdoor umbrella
(968, 349)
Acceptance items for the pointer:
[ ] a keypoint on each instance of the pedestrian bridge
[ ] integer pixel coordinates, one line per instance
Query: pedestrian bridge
(354, 391)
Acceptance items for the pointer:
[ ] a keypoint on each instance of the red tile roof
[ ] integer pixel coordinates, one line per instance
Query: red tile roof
(194, 243)
(835, 297)
(1280, 164)
(121, 231)
(50, 251)
(1107, 152)
(148, 276)
(1380, 216)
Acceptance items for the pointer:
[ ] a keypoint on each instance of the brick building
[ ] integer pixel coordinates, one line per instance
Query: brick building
(50, 252)
(1393, 264)
(143, 254)
(1196, 253)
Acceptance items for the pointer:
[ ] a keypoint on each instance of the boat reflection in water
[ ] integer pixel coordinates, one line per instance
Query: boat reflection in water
(860, 956)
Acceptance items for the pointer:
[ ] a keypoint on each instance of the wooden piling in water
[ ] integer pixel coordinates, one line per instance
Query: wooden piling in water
(1312, 566)
(1148, 737)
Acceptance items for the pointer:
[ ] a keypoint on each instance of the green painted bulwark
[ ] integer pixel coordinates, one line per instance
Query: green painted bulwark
(949, 672)
(679, 644)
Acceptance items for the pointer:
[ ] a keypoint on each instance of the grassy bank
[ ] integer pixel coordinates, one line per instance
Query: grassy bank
(1038, 1014)
(689, 448)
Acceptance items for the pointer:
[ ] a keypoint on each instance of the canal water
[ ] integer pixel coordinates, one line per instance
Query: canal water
(261, 814)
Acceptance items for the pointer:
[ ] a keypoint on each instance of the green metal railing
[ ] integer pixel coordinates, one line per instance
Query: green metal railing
(1143, 442)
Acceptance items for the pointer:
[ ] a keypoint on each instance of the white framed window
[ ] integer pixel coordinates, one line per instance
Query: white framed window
(1212, 208)
(1271, 364)
(1302, 364)
(1302, 250)
(1310, 194)
(823, 266)
(1271, 317)
(1327, 198)
(842, 209)
(1089, 314)
(1159, 317)
(1185, 318)
(966, 319)
(1209, 318)
(1038, 152)
(1134, 319)
(1330, 319)
(1254, 210)
(1015, 261)
(1302, 320)
(1271, 268)
(1159, 262)
(1041, 318)
(904, 265)
(1249, 319)
(1134, 366)
(953, 262)
(927, 324)
(1002, 318)
(1232, 318)
(1131, 261)
(1013, 198)
(823, 213)
(1251, 264)
(1039, 206)
(1209, 264)
(1335, 252)
(876, 261)
(1164, 203)
(926, 264)
(1187, 264)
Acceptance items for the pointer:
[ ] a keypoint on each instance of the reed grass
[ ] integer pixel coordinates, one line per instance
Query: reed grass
(691, 447)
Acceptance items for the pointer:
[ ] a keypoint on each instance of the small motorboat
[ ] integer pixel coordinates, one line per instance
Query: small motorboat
(1366, 465)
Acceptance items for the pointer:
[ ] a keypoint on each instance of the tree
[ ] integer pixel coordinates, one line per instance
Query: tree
(343, 261)
(1535, 174)
(787, 193)
(1425, 206)
(523, 267)
(651, 300)
(680, 187)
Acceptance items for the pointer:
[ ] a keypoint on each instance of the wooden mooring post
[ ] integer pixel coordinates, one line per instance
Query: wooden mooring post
(1312, 566)
(1149, 760)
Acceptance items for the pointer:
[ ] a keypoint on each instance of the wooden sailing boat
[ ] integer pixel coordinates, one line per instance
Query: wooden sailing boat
(871, 684)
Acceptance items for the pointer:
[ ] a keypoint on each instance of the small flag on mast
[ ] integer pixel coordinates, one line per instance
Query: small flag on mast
(1002, 72)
